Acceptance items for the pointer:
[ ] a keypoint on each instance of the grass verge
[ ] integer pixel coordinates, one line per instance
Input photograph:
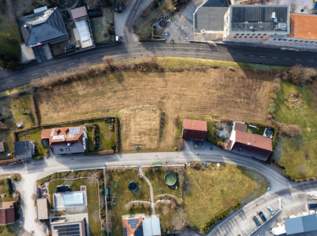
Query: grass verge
(297, 106)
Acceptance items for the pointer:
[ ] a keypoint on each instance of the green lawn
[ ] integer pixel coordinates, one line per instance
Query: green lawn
(22, 110)
(298, 154)
(213, 191)
(92, 197)
(203, 194)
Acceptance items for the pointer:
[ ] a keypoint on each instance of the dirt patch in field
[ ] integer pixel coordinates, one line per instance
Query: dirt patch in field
(212, 94)
(140, 127)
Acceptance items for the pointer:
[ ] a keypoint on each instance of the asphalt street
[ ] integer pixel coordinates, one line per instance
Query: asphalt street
(280, 187)
(268, 56)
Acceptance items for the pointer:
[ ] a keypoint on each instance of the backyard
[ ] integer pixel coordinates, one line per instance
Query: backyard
(197, 186)
(92, 182)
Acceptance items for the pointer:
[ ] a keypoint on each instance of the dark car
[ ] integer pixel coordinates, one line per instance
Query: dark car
(256, 221)
(262, 216)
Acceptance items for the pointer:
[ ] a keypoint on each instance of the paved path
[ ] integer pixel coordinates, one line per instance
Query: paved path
(142, 175)
(229, 53)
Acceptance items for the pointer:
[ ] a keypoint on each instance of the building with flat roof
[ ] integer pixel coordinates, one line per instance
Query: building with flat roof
(69, 228)
(209, 16)
(195, 130)
(65, 140)
(42, 208)
(82, 32)
(301, 225)
(141, 225)
(256, 21)
(75, 201)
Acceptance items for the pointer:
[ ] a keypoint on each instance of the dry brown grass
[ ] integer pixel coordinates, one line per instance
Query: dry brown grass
(140, 127)
(214, 93)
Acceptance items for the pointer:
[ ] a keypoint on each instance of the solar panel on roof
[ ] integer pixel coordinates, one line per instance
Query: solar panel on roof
(68, 230)
(74, 130)
(133, 223)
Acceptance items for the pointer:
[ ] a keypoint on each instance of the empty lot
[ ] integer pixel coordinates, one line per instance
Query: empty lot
(212, 93)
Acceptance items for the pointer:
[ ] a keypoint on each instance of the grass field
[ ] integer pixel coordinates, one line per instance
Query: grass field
(298, 105)
(199, 89)
(203, 194)
(92, 199)
(214, 191)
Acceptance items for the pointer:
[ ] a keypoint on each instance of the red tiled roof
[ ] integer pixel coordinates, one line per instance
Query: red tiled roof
(63, 134)
(254, 140)
(7, 215)
(304, 26)
(198, 125)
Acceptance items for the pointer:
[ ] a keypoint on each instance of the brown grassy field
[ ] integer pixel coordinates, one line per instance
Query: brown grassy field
(140, 127)
(219, 93)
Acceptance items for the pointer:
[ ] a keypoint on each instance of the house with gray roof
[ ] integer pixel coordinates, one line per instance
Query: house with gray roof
(24, 150)
(42, 29)
(208, 20)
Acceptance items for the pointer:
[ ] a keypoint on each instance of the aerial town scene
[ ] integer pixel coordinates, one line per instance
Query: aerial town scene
(158, 117)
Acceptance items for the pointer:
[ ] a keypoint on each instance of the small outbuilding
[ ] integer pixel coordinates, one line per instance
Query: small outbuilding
(42, 208)
(24, 150)
(195, 130)
(7, 213)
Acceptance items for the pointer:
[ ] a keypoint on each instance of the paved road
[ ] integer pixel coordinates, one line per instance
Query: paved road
(220, 52)
(31, 172)
(35, 170)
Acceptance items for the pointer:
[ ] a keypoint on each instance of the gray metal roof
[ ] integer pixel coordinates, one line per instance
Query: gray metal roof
(303, 224)
(210, 16)
(23, 150)
(43, 27)
(259, 18)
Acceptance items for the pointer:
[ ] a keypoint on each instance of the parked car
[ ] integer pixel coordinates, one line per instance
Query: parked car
(256, 221)
(262, 216)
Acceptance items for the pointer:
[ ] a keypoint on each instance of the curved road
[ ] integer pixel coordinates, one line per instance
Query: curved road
(35, 170)
(240, 54)
(236, 223)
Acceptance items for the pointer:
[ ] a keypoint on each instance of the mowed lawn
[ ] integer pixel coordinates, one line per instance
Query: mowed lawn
(215, 190)
(298, 105)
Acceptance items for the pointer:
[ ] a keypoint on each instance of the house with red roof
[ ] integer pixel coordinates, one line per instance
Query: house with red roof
(195, 130)
(7, 213)
(249, 144)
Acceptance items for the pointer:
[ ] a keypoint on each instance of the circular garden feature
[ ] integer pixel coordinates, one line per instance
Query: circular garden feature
(171, 179)
(133, 187)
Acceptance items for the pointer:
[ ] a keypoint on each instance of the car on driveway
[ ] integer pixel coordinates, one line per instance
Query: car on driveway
(262, 216)
(256, 221)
